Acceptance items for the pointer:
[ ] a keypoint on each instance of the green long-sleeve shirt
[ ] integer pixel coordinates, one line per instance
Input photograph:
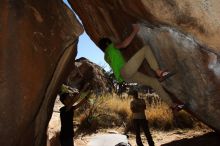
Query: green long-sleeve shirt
(115, 59)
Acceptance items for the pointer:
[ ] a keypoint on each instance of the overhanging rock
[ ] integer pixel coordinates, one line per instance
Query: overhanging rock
(184, 35)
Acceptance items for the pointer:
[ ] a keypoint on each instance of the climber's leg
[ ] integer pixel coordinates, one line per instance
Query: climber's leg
(135, 62)
(141, 78)
(131, 67)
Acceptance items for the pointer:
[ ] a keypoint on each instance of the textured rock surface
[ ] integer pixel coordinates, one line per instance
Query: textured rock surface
(182, 34)
(88, 72)
(37, 41)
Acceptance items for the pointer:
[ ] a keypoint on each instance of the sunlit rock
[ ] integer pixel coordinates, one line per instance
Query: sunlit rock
(184, 36)
(92, 74)
(37, 43)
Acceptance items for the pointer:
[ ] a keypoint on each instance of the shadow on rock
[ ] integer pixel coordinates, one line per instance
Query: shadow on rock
(211, 139)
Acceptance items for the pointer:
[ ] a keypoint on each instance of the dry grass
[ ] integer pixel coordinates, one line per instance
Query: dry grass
(119, 106)
(109, 111)
(104, 112)
(160, 116)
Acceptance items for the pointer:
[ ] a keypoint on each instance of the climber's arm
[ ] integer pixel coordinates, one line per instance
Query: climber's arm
(128, 39)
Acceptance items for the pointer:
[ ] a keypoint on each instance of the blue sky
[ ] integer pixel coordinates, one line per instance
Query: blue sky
(87, 49)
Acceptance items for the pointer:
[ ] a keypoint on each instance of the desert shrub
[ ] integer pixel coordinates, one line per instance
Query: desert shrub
(88, 123)
(160, 116)
(118, 106)
(103, 112)
(90, 118)
(109, 111)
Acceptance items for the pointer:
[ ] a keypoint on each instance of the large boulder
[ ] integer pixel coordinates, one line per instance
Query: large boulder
(87, 72)
(184, 35)
(37, 46)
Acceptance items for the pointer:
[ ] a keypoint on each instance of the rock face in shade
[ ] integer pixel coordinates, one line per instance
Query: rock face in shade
(184, 35)
(88, 72)
(37, 43)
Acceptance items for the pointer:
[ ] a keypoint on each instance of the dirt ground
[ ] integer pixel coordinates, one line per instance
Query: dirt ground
(202, 137)
(190, 137)
(172, 138)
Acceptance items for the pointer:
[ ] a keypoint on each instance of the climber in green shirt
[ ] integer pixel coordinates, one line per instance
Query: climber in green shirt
(128, 70)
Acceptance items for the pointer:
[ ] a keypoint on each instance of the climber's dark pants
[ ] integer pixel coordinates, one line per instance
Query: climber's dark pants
(142, 123)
